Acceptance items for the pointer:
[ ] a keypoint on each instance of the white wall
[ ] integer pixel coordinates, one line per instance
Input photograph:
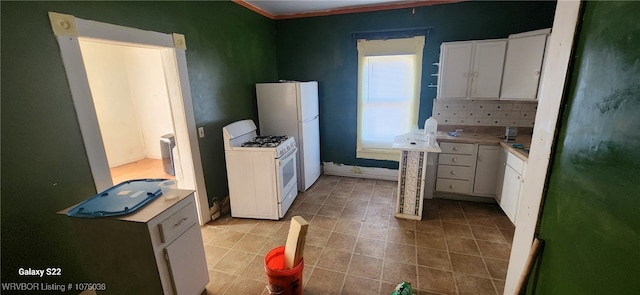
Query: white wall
(130, 96)
(150, 97)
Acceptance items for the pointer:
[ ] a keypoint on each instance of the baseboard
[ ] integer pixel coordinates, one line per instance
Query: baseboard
(330, 168)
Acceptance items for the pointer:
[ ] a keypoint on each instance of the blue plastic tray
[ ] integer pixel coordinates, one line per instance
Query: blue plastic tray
(120, 199)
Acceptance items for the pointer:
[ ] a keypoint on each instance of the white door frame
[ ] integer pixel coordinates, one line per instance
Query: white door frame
(68, 29)
(551, 93)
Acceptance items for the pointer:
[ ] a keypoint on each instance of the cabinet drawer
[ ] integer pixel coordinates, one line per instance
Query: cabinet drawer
(457, 148)
(452, 186)
(516, 163)
(456, 160)
(177, 223)
(454, 172)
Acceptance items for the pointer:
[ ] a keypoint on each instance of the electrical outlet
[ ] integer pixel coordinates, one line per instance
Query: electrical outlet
(201, 132)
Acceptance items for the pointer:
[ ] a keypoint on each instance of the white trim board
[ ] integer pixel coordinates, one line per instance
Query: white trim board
(552, 88)
(331, 168)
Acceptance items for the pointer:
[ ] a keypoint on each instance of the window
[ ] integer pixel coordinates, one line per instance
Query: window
(389, 75)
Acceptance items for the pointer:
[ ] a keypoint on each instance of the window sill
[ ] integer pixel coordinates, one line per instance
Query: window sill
(378, 154)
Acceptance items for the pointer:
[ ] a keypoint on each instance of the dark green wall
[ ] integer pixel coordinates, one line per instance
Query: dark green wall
(590, 218)
(44, 165)
(323, 49)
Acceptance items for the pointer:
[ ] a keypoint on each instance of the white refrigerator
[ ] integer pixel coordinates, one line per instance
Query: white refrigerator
(291, 108)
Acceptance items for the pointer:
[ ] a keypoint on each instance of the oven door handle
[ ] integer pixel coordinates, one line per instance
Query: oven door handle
(288, 154)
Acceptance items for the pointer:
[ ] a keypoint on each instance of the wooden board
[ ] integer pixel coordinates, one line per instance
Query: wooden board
(294, 249)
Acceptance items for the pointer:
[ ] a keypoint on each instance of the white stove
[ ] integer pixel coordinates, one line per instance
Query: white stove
(261, 171)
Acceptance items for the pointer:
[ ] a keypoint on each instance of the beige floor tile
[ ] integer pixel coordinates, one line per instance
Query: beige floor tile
(214, 254)
(356, 203)
(354, 214)
(473, 285)
(396, 272)
(309, 208)
(456, 230)
(477, 208)
(497, 268)
(507, 234)
(348, 227)
(324, 222)
(251, 243)
(402, 236)
(402, 223)
(234, 262)
(491, 234)
(317, 237)
(244, 285)
(330, 211)
(311, 254)
(453, 217)
(374, 231)
(334, 260)
(499, 284)
(365, 266)
(272, 244)
(360, 286)
(315, 198)
(462, 245)
(255, 269)
(219, 282)
(436, 280)
(268, 227)
(430, 226)
(341, 242)
(480, 220)
(227, 238)
(370, 247)
(448, 205)
(468, 264)
(336, 201)
(324, 282)
(434, 258)
(400, 253)
(494, 250)
(429, 240)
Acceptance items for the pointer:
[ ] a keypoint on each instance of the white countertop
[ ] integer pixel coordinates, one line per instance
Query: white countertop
(414, 142)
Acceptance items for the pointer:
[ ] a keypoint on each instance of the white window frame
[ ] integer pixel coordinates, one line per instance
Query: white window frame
(400, 46)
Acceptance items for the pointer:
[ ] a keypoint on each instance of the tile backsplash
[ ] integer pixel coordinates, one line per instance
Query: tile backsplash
(485, 113)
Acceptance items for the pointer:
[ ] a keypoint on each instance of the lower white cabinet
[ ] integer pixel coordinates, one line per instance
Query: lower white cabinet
(155, 250)
(468, 169)
(512, 185)
(486, 168)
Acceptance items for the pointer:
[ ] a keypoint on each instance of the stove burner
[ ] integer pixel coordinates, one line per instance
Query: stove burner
(266, 141)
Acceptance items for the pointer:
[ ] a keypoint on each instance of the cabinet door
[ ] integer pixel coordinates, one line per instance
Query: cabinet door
(455, 64)
(510, 193)
(488, 62)
(486, 170)
(522, 67)
(502, 163)
(187, 262)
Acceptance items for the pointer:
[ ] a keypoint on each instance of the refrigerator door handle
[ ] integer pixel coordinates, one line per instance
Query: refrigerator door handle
(309, 120)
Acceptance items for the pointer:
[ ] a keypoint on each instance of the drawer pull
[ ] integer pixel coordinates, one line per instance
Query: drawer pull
(453, 172)
(455, 148)
(180, 222)
(454, 160)
(451, 186)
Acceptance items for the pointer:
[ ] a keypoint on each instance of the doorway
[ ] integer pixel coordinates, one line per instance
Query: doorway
(132, 106)
(168, 51)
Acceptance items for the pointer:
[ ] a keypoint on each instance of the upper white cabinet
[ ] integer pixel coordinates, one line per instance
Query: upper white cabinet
(523, 65)
(471, 69)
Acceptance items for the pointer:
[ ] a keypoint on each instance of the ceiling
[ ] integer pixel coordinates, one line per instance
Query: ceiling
(281, 9)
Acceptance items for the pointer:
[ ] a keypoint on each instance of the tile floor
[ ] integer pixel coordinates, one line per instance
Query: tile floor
(356, 246)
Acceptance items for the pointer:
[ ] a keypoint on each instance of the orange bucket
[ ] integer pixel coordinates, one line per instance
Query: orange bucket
(282, 281)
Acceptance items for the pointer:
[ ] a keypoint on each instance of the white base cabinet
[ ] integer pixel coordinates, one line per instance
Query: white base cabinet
(155, 250)
(512, 185)
(468, 169)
